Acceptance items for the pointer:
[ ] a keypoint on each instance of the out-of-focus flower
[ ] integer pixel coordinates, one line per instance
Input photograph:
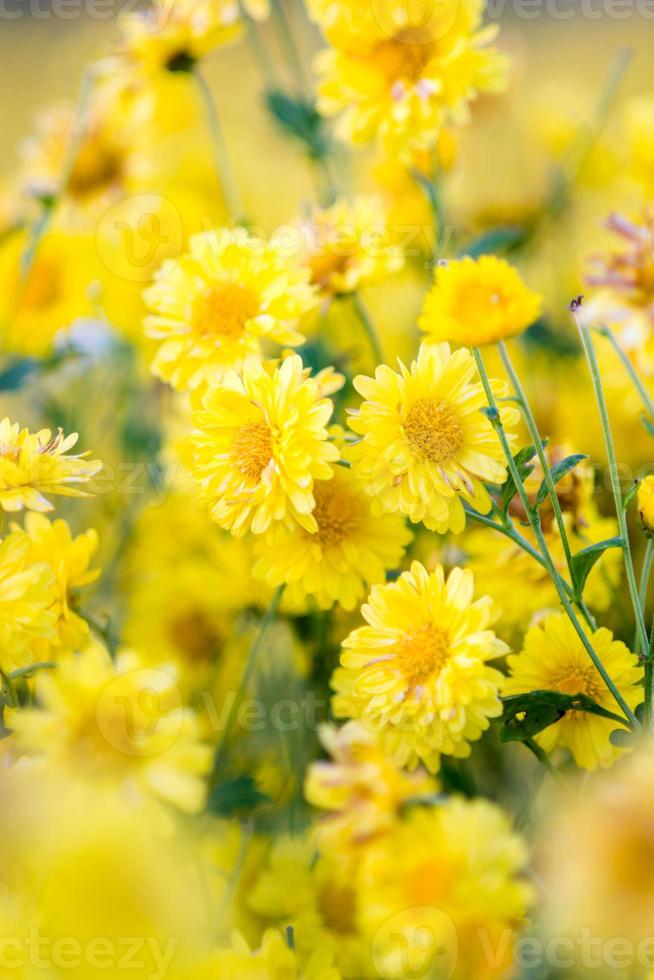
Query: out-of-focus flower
(173, 35)
(459, 891)
(26, 596)
(261, 442)
(217, 305)
(33, 464)
(401, 74)
(425, 446)
(317, 897)
(350, 550)
(120, 723)
(553, 658)
(349, 246)
(478, 301)
(362, 787)
(52, 543)
(645, 499)
(418, 673)
(53, 294)
(273, 960)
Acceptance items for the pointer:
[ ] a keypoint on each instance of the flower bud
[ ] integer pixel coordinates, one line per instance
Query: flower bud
(645, 498)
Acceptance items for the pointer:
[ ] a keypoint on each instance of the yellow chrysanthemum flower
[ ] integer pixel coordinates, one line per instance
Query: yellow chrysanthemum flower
(417, 674)
(645, 500)
(261, 442)
(426, 447)
(553, 658)
(444, 888)
(174, 34)
(120, 723)
(51, 543)
(215, 306)
(318, 898)
(362, 786)
(478, 301)
(350, 550)
(273, 960)
(33, 464)
(349, 245)
(401, 74)
(53, 294)
(26, 595)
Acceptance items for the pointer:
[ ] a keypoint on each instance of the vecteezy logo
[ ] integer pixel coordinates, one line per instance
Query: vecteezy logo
(137, 234)
(416, 944)
(135, 709)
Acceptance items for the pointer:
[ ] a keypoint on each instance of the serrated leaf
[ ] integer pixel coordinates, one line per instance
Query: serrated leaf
(525, 715)
(234, 795)
(558, 471)
(496, 240)
(522, 461)
(584, 561)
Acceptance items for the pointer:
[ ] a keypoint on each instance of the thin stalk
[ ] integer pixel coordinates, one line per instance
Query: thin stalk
(224, 169)
(104, 632)
(432, 192)
(369, 328)
(605, 331)
(534, 435)
(260, 51)
(609, 445)
(253, 655)
(290, 49)
(534, 521)
(645, 573)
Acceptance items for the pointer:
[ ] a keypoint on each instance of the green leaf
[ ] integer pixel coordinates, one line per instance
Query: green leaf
(522, 461)
(300, 118)
(584, 561)
(492, 414)
(525, 715)
(558, 471)
(630, 494)
(20, 368)
(623, 739)
(234, 795)
(501, 239)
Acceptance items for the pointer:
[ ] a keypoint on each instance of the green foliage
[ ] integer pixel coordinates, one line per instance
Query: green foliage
(525, 715)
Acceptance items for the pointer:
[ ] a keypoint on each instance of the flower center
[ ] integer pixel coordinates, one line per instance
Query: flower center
(252, 449)
(423, 653)
(223, 310)
(97, 166)
(43, 287)
(577, 680)
(337, 906)
(194, 634)
(404, 56)
(337, 512)
(433, 430)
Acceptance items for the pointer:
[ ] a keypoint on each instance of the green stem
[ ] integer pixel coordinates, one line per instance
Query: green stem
(534, 435)
(302, 81)
(431, 190)
(260, 51)
(369, 328)
(534, 521)
(265, 624)
(598, 388)
(637, 383)
(104, 632)
(224, 169)
(644, 579)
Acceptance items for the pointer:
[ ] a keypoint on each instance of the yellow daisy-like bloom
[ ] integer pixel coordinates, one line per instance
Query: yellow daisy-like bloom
(350, 550)
(273, 960)
(120, 723)
(52, 543)
(174, 34)
(26, 594)
(260, 443)
(553, 658)
(426, 446)
(362, 786)
(444, 887)
(35, 463)
(417, 674)
(403, 76)
(645, 500)
(318, 898)
(215, 306)
(50, 298)
(349, 245)
(478, 301)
